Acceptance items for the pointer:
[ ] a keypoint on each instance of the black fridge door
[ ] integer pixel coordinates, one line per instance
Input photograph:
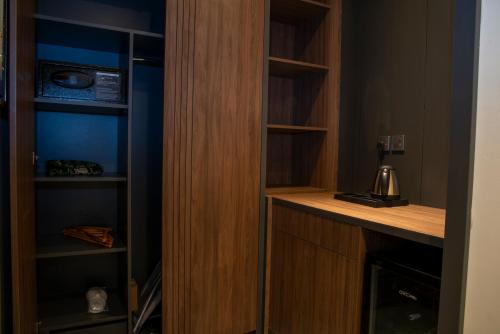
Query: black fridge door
(401, 303)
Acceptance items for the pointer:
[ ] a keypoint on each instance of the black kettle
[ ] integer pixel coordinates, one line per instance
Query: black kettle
(385, 185)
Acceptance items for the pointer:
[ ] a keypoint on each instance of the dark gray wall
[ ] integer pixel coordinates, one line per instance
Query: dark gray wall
(4, 225)
(396, 79)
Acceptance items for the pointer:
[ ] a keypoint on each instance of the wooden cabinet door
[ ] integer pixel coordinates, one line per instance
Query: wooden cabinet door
(213, 122)
(310, 288)
(22, 131)
(316, 274)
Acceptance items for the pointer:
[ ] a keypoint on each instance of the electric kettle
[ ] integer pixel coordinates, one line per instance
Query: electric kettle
(385, 185)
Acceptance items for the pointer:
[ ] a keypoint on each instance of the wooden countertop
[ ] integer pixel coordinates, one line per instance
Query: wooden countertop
(414, 222)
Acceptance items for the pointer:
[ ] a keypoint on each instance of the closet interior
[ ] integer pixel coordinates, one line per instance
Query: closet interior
(122, 131)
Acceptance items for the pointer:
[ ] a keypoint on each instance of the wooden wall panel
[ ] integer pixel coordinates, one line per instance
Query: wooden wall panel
(21, 123)
(5, 318)
(396, 79)
(212, 149)
(437, 117)
(391, 89)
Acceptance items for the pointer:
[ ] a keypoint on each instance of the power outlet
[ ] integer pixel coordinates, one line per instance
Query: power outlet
(386, 142)
(398, 143)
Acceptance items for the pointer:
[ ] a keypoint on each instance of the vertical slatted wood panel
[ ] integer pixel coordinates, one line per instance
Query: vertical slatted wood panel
(21, 126)
(212, 145)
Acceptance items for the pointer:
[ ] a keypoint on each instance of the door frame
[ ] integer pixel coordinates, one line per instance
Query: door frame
(466, 28)
(21, 74)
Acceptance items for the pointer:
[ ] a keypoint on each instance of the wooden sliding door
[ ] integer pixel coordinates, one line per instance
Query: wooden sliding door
(212, 147)
(21, 124)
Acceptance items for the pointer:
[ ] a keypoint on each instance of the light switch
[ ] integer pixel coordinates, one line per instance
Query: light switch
(398, 143)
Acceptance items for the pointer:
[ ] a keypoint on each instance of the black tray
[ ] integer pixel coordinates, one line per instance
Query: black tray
(366, 199)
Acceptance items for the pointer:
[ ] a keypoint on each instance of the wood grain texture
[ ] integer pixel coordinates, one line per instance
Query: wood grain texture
(413, 222)
(214, 62)
(269, 242)
(278, 128)
(304, 90)
(269, 253)
(315, 289)
(338, 237)
(22, 130)
(282, 67)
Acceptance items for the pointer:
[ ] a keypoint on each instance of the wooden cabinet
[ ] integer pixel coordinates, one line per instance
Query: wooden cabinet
(188, 165)
(316, 274)
(213, 119)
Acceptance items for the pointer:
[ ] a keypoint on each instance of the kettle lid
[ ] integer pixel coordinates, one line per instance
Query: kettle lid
(386, 167)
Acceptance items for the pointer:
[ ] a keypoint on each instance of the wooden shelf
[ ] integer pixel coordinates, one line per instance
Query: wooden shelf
(69, 313)
(296, 11)
(278, 128)
(106, 177)
(60, 246)
(282, 67)
(277, 190)
(81, 107)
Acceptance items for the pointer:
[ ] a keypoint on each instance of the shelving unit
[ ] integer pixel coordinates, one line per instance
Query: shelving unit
(303, 94)
(125, 138)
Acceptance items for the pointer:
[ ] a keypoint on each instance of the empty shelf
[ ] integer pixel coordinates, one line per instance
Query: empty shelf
(278, 128)
(106, 177)
(69, 313)
(293, 68)
(61, 246)
(276, 190)
(78, 106)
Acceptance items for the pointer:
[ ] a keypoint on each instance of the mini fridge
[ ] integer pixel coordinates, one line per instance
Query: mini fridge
(403, 294)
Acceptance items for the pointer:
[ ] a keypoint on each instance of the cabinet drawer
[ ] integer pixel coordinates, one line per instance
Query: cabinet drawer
(114, 328)
(338, 237)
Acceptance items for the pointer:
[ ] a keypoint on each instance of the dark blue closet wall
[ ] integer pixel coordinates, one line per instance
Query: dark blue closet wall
(5, 316)
(99, 138)
(146, 176)
(78, 55)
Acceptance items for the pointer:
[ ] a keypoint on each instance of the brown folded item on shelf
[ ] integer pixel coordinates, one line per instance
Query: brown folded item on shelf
(92, 234)
(105, 242)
